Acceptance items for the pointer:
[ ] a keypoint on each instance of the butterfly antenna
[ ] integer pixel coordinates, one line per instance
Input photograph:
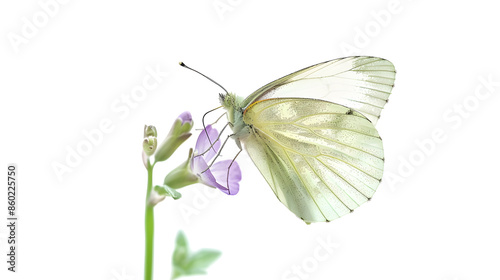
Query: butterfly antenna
(185, 66)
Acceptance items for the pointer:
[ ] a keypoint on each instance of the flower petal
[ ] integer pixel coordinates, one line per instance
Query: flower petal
(202, 144)
(198, 165)
(220, 172)
(185, 117)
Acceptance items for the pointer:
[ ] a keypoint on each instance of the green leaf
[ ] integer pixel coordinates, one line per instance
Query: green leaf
(181, 251)
(185, 263)
(202, 259)
(180, 256)
(166, 190)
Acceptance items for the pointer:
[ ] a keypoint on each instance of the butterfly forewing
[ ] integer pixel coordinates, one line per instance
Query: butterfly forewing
(321, 159)
(361, 83)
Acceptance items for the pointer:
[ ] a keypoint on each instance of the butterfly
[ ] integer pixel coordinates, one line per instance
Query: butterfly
(312, 134)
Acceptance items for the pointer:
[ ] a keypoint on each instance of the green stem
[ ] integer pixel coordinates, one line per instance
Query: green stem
(150, 228)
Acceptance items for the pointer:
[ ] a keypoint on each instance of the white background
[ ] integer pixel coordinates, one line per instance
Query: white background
(435, 215)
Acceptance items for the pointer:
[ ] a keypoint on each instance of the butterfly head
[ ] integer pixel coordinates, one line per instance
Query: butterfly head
(222, 98)
(230, 101)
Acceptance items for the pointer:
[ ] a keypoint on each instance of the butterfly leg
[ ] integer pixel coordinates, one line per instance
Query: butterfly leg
(211, 145)
(229, 168)
(204, 128)
(218, 154)
(218, 119)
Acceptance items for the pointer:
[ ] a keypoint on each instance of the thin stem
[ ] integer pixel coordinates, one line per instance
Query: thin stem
(150, 228)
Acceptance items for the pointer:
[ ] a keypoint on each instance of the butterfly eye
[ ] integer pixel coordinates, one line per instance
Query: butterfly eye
(222, 97)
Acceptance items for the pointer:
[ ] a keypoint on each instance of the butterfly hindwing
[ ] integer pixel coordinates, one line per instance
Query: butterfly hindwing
(321, 159)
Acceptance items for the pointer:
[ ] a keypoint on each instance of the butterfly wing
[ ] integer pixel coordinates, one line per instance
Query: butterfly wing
(321, 159)
(361, 83)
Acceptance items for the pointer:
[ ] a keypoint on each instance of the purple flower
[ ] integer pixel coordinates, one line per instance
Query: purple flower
(217, 175)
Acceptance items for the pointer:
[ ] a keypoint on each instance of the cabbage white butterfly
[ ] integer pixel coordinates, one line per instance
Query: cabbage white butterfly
(312, 134)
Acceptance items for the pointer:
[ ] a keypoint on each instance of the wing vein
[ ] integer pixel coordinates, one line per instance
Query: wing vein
(349, 156)
(353, 165)
(345, 180)
(340, 143)
(322, 180)
(303, 183)
(358, 101)
(360, 80)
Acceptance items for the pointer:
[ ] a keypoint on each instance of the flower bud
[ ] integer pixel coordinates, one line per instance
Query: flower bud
(149, 130)
(149, 144)
(177, 135)
(182, 175)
